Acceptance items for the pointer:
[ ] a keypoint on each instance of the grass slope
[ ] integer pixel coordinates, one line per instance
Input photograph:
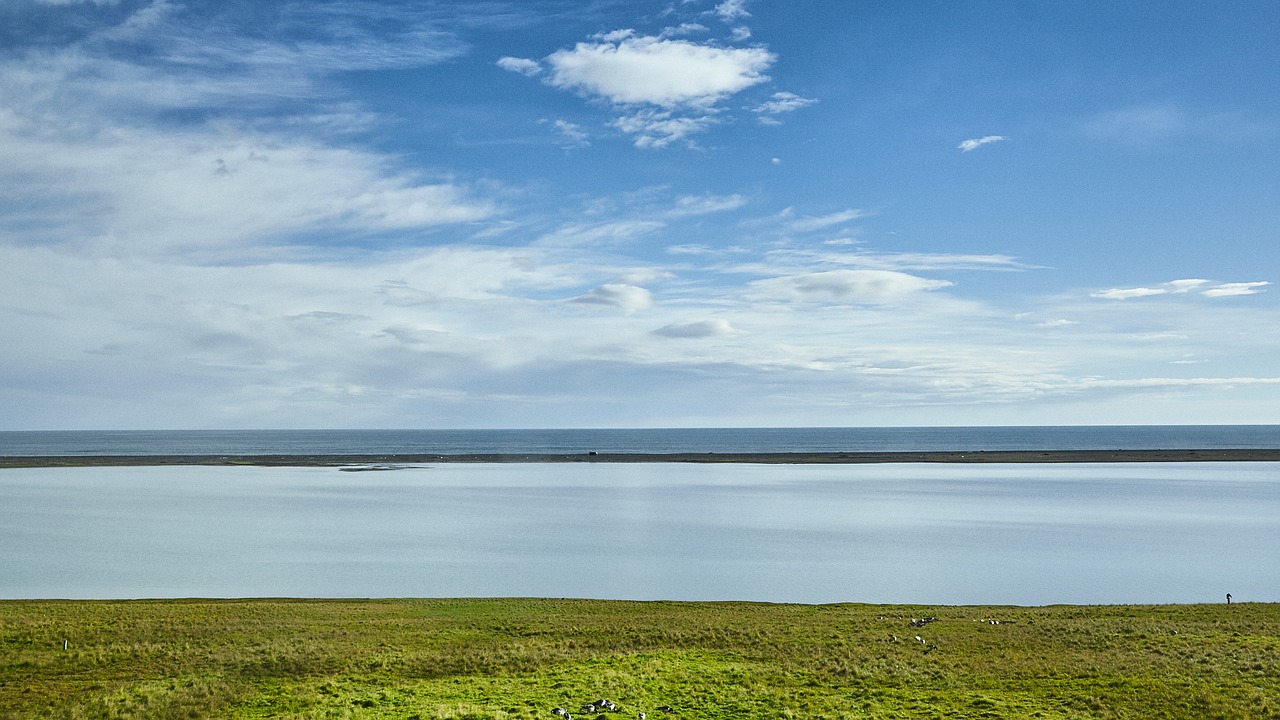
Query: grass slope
(518, 658)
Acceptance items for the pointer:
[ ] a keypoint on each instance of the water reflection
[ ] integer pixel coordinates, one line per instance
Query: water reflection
(1021, 534)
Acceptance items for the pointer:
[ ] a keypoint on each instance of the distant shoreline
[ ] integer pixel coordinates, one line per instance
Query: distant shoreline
(391, 460)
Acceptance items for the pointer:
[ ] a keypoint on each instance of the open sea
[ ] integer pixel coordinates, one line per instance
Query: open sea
(1026, 534)
(825, 439)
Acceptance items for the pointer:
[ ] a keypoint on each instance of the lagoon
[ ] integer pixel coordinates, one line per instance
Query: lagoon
(1026, 534)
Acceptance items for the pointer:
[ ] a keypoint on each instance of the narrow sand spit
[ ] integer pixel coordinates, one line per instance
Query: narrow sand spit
(820, 458)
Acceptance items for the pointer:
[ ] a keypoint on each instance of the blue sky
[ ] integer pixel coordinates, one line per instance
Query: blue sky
(672, 213)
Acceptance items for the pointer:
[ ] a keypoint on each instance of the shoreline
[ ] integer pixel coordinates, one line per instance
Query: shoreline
(390, 460)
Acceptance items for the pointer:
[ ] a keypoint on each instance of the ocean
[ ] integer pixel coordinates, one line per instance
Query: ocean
(657, 440)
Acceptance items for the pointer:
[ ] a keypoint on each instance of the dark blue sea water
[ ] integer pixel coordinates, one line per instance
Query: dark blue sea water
(649, 440)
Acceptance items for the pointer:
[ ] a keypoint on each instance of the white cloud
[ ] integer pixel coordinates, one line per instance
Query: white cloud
(523, 66)
(655, 71)
(659, 128)
(204, 189)
(629, 298)
(848, 286)
(783, 102)
(605, 233)
(1127, 293)
(822, 222)
(573, 134)
(665, 89)
(696, 330)
(706, 204)
(1184, 287)
(1232, 289)
(683, 29)
(732, 10)
(975, 143)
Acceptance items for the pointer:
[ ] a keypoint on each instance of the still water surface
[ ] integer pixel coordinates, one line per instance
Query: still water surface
(954, 534)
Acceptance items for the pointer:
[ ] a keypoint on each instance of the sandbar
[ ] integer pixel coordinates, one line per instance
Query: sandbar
(391, 461)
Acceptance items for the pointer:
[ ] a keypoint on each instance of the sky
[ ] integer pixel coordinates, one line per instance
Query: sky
(668, 213)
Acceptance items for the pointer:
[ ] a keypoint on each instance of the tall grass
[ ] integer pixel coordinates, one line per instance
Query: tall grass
(518, 658)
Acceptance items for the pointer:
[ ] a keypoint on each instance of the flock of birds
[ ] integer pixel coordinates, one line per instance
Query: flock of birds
(603, 706)
(920, 623)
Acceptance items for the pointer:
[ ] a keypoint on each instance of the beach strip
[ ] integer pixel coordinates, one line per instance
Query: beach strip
(391, 461)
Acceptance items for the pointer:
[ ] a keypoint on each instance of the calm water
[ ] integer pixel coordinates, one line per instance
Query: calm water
(263, 442)
(1021, 534)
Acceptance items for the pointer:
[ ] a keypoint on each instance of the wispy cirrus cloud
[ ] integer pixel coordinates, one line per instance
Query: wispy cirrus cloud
(821, 222)
(1183, 287)
(975, 143)
(874, 287)
(148, 134)
(780, 103)
(1233, 289)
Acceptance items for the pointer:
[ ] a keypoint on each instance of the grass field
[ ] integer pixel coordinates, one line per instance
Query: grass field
(516, 659)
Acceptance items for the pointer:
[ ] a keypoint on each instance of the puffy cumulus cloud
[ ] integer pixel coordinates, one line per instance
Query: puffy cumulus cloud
(695, 330)
(874, 287)
(649, 70)
(665, 88)
(523, 66)
(684, 29)
(572, 135)
(629, 298)
(975, 143)
(660, 128)
(1183, 287)
(732, 10)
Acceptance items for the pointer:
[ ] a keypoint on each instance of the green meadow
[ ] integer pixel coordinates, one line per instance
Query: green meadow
(512, 659)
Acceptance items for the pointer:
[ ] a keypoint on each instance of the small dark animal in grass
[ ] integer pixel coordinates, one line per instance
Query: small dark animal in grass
(665, 709)
(559, 711)
(929, 649)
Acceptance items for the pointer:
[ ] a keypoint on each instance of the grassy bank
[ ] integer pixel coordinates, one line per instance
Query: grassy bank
(521, 658)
